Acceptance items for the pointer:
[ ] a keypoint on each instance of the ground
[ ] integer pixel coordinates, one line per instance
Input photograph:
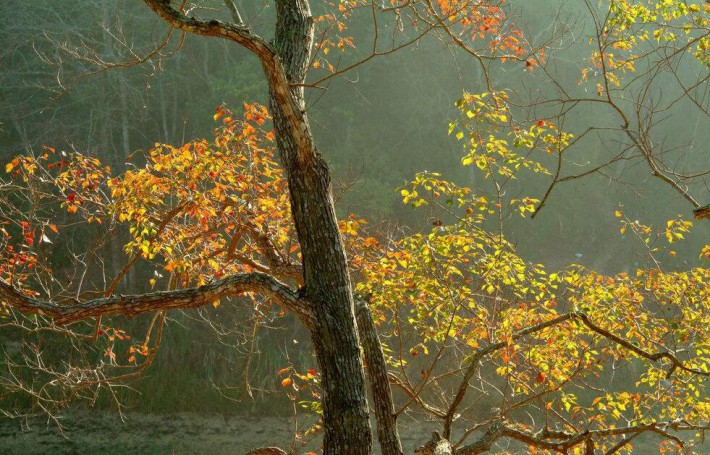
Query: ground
(98, 432)
(92, 432)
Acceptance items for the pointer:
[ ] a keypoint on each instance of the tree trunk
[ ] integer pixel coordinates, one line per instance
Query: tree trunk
(327, 290)
(379, 382)
(326, 280)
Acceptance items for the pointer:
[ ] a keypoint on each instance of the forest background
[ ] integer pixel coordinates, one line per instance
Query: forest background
(377, 129)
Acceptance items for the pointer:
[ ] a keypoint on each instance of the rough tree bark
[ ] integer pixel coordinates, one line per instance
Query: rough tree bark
(325, 274)
(387, 434)
(326, 279)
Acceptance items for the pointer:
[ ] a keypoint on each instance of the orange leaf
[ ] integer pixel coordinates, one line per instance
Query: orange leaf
(286, 382)
(370, 241)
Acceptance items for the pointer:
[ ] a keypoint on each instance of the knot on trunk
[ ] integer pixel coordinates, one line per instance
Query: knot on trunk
(437, 445)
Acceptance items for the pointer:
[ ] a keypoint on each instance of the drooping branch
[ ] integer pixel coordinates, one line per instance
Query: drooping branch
(131, 305)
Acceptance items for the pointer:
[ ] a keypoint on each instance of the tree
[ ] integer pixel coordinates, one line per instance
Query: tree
(224, 199)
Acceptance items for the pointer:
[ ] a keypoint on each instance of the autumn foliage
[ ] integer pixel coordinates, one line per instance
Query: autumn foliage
(475, 336)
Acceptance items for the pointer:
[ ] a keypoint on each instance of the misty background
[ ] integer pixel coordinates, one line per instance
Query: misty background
(377, 127)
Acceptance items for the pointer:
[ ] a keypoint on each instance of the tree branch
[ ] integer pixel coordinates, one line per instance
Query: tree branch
(279, 83)
(233, 32)
(561, 441)
(656, 170)
(235, 12)
(655, 357)
(131, 305)
(702, 213)
(475, 359)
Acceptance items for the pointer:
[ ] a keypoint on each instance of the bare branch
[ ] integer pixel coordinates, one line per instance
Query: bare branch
(235, 12)
(656, 170)
(184, 298)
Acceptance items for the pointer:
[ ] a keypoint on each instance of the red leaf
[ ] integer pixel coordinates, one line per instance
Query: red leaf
(540, 378)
